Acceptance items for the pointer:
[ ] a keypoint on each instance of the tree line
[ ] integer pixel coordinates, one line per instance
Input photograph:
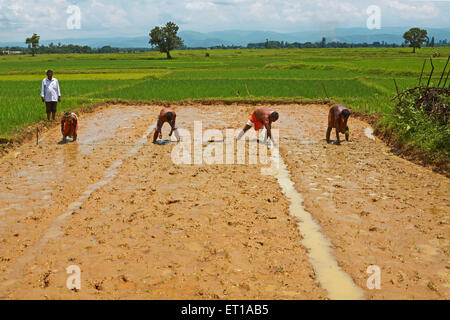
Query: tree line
(334, 44)
(71, 48)
(166, 39)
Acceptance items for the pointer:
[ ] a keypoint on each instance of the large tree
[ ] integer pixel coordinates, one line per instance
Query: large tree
(165, 38)
(415, 37)
(33, 43)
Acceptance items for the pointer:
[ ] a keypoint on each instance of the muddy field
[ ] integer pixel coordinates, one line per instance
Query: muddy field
(141, 227)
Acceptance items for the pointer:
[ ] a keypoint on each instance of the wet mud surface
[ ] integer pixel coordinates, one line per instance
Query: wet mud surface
(376, 208)
(141, 227)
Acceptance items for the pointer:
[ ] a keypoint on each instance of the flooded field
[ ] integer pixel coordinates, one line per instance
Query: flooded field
(141, 227)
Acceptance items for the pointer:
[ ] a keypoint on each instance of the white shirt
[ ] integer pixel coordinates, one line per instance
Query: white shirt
(50, 90)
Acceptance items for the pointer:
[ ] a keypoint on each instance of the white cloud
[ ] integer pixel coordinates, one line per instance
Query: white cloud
(200, 5)
(411, 10)
(293, 13)
(136, 17)
(263, 10)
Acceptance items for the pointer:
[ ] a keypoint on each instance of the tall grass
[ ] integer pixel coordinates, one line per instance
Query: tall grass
(173, 90)
(20, 112)
(361, 78)
(21, 105)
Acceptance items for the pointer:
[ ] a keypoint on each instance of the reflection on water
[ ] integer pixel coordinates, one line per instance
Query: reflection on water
(163, 142)
(332, 278)
(369, 133)
(27, 192)
(101, 128)
(187, 116)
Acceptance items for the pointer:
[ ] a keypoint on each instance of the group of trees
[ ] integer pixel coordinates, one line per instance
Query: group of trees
(166, 39)
(432, 43)
(70, 48)
(416, 37)
(322, 44)
(35, 48)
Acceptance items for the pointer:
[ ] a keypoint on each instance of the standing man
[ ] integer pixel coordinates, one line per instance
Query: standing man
(50, 94)
(260, 118)
(337, 119)
(169, 116)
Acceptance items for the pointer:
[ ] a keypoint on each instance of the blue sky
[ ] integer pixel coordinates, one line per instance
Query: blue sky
(110, 18)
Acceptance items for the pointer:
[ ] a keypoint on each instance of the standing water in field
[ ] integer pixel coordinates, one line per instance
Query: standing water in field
(55, 229)
(31, 187)
(369, 133)
(340, 285)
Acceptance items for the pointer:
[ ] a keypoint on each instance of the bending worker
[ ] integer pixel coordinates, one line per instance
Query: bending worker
(169, 116)
(260, 118)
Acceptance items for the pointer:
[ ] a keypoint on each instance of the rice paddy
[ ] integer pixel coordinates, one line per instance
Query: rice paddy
(361, 78)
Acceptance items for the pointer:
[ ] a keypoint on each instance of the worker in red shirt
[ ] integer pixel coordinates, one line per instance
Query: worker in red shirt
(337, 119)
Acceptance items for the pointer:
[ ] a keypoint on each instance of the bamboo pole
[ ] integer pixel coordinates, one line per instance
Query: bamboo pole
(443, 72)
(448, 73)
(431, 74)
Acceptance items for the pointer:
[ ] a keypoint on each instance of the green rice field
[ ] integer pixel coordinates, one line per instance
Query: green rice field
(360, 78)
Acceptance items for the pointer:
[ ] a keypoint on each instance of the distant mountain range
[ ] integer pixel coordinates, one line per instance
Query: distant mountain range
(352, 35)
(242, 37)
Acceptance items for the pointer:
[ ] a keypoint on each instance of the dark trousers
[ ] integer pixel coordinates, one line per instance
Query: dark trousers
(51, 106)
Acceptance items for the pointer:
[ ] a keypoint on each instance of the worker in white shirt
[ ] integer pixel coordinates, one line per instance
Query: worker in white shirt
(50, 94)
